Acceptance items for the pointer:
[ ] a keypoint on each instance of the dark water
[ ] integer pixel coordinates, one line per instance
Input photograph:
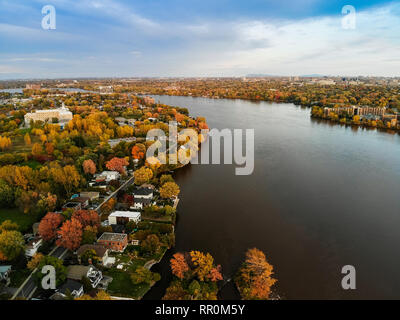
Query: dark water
(321, 197)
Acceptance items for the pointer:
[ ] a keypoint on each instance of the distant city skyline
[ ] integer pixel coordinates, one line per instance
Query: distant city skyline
(175, 38)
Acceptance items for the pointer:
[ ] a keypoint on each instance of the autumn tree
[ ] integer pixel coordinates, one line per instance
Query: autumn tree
(49, 224)
(35, 261)
(37, 149)
(87, 218)
(109, 205)
(143, 175)
(11, 245)
(203, 264)
(49, 148)
(27, 139)
(89, 167)
(169, 190)
(151, 244)
(166, 178)
(70, 235)
(68, 177)
(8, 225)
(101, 295)
(139, 151)
(254, 278)
(5, 143)
(179, 265)
(117, 164)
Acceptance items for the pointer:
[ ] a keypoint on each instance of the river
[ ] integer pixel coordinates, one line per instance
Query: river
(322, 196)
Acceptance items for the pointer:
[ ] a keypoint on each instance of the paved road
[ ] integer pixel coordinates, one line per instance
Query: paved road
(125, 185)
(28, 288)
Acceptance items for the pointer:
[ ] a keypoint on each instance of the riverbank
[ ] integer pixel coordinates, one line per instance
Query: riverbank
(316, 188)
(317, 112)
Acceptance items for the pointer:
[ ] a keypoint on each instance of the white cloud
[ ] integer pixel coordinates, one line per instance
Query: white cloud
(208, 48)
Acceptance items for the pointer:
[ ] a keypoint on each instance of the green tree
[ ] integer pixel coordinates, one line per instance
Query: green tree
(11, 245)
(6, 194)
(61, 270)
(144, 275)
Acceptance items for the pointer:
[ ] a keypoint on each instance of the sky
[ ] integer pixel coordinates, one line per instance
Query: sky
(198, 38)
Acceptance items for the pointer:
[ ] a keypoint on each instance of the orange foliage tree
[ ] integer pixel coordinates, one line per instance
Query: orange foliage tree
(89, 167)
(138, 151)
(117, 164)
(254, 279)
(87, 218)
(49, 224)
(179, 265)
(70, 235)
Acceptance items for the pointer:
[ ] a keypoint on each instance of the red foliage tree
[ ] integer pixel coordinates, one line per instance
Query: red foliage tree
(70, 235)
(49, 224)
(87, 218)
(117, 164)
(215, 274)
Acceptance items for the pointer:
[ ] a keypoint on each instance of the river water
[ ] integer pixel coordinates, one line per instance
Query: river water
(322, 196)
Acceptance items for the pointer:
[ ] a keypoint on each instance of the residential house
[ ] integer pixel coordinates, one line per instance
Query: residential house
(5, 274)
(84, 201)
(78, 272)
(140, 204)
(32, 246)
(75, 288)
(35, 228)
(101, 252)
(109, 176)
(143, 193)
(114, 241)
(98, 184)
(92, 195)
(72, 205)
(123, 217)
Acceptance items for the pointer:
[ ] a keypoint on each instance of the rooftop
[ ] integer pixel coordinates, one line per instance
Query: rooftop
(125, 214)
(107, 236)
(99, 249)
(143, 192)
(70, 285)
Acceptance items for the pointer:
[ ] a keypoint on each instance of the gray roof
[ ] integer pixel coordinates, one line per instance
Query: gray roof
(70, 285)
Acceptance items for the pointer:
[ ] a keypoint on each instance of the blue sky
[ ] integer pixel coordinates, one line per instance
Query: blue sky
(119, 38)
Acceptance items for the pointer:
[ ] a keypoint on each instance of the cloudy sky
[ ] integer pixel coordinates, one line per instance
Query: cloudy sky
(120, 38)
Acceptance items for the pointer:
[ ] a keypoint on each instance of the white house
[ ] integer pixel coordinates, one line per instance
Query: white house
(33, 246)
(143, 193)
(123, 217)
(109, 175)
(75, 288)
(140, 203)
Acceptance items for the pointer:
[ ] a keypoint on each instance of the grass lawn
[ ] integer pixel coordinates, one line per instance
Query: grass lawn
(18, 144)
(122, 285)
(25, 221)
